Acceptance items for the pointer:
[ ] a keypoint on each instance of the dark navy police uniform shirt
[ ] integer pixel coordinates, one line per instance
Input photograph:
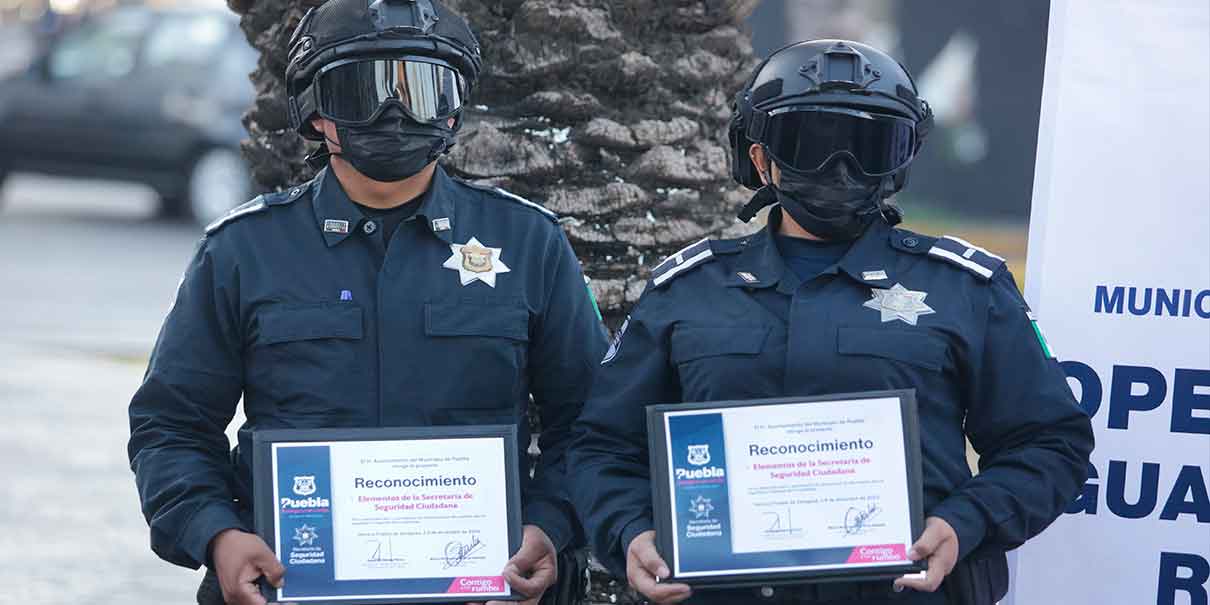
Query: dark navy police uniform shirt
(389, 218)
(726, 320)
(294, 302)
(808, 258)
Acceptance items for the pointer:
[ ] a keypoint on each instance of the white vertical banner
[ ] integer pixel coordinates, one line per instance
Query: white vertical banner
(1119, 278)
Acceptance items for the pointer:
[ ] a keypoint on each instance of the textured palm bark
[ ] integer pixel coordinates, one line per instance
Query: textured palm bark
(612, 113)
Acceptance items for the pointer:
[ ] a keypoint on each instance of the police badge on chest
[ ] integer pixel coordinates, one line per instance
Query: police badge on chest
(476, 259)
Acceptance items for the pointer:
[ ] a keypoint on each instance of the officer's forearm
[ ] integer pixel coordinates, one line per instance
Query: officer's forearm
(612, 494)
(547, 504)
(616, 530)
(546, 501)
(184, 508)
(630, 531)
(553, 515)
(1021, 491)
(178, 453)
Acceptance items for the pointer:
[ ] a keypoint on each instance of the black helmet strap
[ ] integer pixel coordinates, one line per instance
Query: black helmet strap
(891, 213)
(888, 186)
(765, 196)
(318, 158)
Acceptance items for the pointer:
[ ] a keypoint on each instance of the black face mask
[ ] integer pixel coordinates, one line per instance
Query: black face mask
(393, 147)
(836, 203)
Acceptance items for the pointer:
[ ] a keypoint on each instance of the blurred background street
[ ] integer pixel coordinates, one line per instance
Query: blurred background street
(88, 268)
(87, 278)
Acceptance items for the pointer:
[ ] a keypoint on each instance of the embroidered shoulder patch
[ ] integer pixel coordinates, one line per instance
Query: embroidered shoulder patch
(1046, 350)
(592, 297)
(616, 343)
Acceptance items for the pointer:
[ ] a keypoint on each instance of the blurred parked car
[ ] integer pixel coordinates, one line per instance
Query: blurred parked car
(147, 95)
(18, 48)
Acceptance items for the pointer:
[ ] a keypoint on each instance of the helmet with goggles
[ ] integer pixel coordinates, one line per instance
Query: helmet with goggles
(813, 103)
(350, 59)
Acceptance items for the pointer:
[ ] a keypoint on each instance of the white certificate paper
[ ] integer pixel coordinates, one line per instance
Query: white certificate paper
(795, 486)
(792, 487)
(407, 509)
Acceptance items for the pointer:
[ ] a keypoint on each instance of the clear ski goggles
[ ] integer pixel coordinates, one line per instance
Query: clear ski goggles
(808, 138)
(355, 91)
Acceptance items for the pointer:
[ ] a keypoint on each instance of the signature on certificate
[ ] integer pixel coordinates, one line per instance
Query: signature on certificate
(780, 525)
(383, 552)
(777, 523)
(457, 553)
(855, 519)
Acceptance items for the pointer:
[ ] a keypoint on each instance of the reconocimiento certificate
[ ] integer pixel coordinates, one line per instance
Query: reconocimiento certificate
(789, 490)
(358, 521)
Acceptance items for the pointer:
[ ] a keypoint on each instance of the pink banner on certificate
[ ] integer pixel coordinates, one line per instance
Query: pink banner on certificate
(878, 553)
(472, 584)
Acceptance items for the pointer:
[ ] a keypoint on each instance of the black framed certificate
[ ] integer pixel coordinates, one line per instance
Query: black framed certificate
(788, 490)
(390, 515)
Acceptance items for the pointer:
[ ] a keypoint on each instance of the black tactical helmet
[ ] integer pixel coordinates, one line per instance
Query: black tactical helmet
(840, 80)
(343, 31)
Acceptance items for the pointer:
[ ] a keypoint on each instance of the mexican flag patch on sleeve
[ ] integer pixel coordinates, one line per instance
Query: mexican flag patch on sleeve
(1033, 321)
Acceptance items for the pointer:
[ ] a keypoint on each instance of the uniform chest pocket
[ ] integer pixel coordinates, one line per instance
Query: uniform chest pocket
(690, 343)
(916, 348)
(308, 357)
(482, 350)
(732, 362)
(289, 323)
(482, 320)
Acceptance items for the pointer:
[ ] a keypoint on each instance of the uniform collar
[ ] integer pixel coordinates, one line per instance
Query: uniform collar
(437, 206)
(868, 261)
(338, 217)
(760, 264)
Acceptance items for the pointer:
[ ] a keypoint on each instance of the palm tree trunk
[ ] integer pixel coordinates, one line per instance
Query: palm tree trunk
(611, 113)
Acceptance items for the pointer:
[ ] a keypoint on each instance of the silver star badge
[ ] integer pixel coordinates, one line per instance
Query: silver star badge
(701, 507)
(305, 535)
(899, 303)
(474, 261)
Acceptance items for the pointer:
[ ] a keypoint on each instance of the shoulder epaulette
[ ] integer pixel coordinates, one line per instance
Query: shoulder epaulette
(524, 202)
(252, 207)
(512, 197)
(962, 253)
(288, 196)
(688, 257)
(729, 246)
(258, 204)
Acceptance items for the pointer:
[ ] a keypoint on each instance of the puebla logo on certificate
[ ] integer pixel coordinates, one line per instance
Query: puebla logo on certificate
(389, 515)
(787, 490)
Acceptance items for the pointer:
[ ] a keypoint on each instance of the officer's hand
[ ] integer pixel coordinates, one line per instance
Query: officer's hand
(533, 569)
(939, 545)
(239, 559)
(644, 568)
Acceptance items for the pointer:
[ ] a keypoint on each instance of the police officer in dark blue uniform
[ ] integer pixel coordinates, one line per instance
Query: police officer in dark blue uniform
(830, 297)
(381, 293)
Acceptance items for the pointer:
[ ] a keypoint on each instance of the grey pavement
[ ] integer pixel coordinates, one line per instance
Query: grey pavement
(85, 280)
